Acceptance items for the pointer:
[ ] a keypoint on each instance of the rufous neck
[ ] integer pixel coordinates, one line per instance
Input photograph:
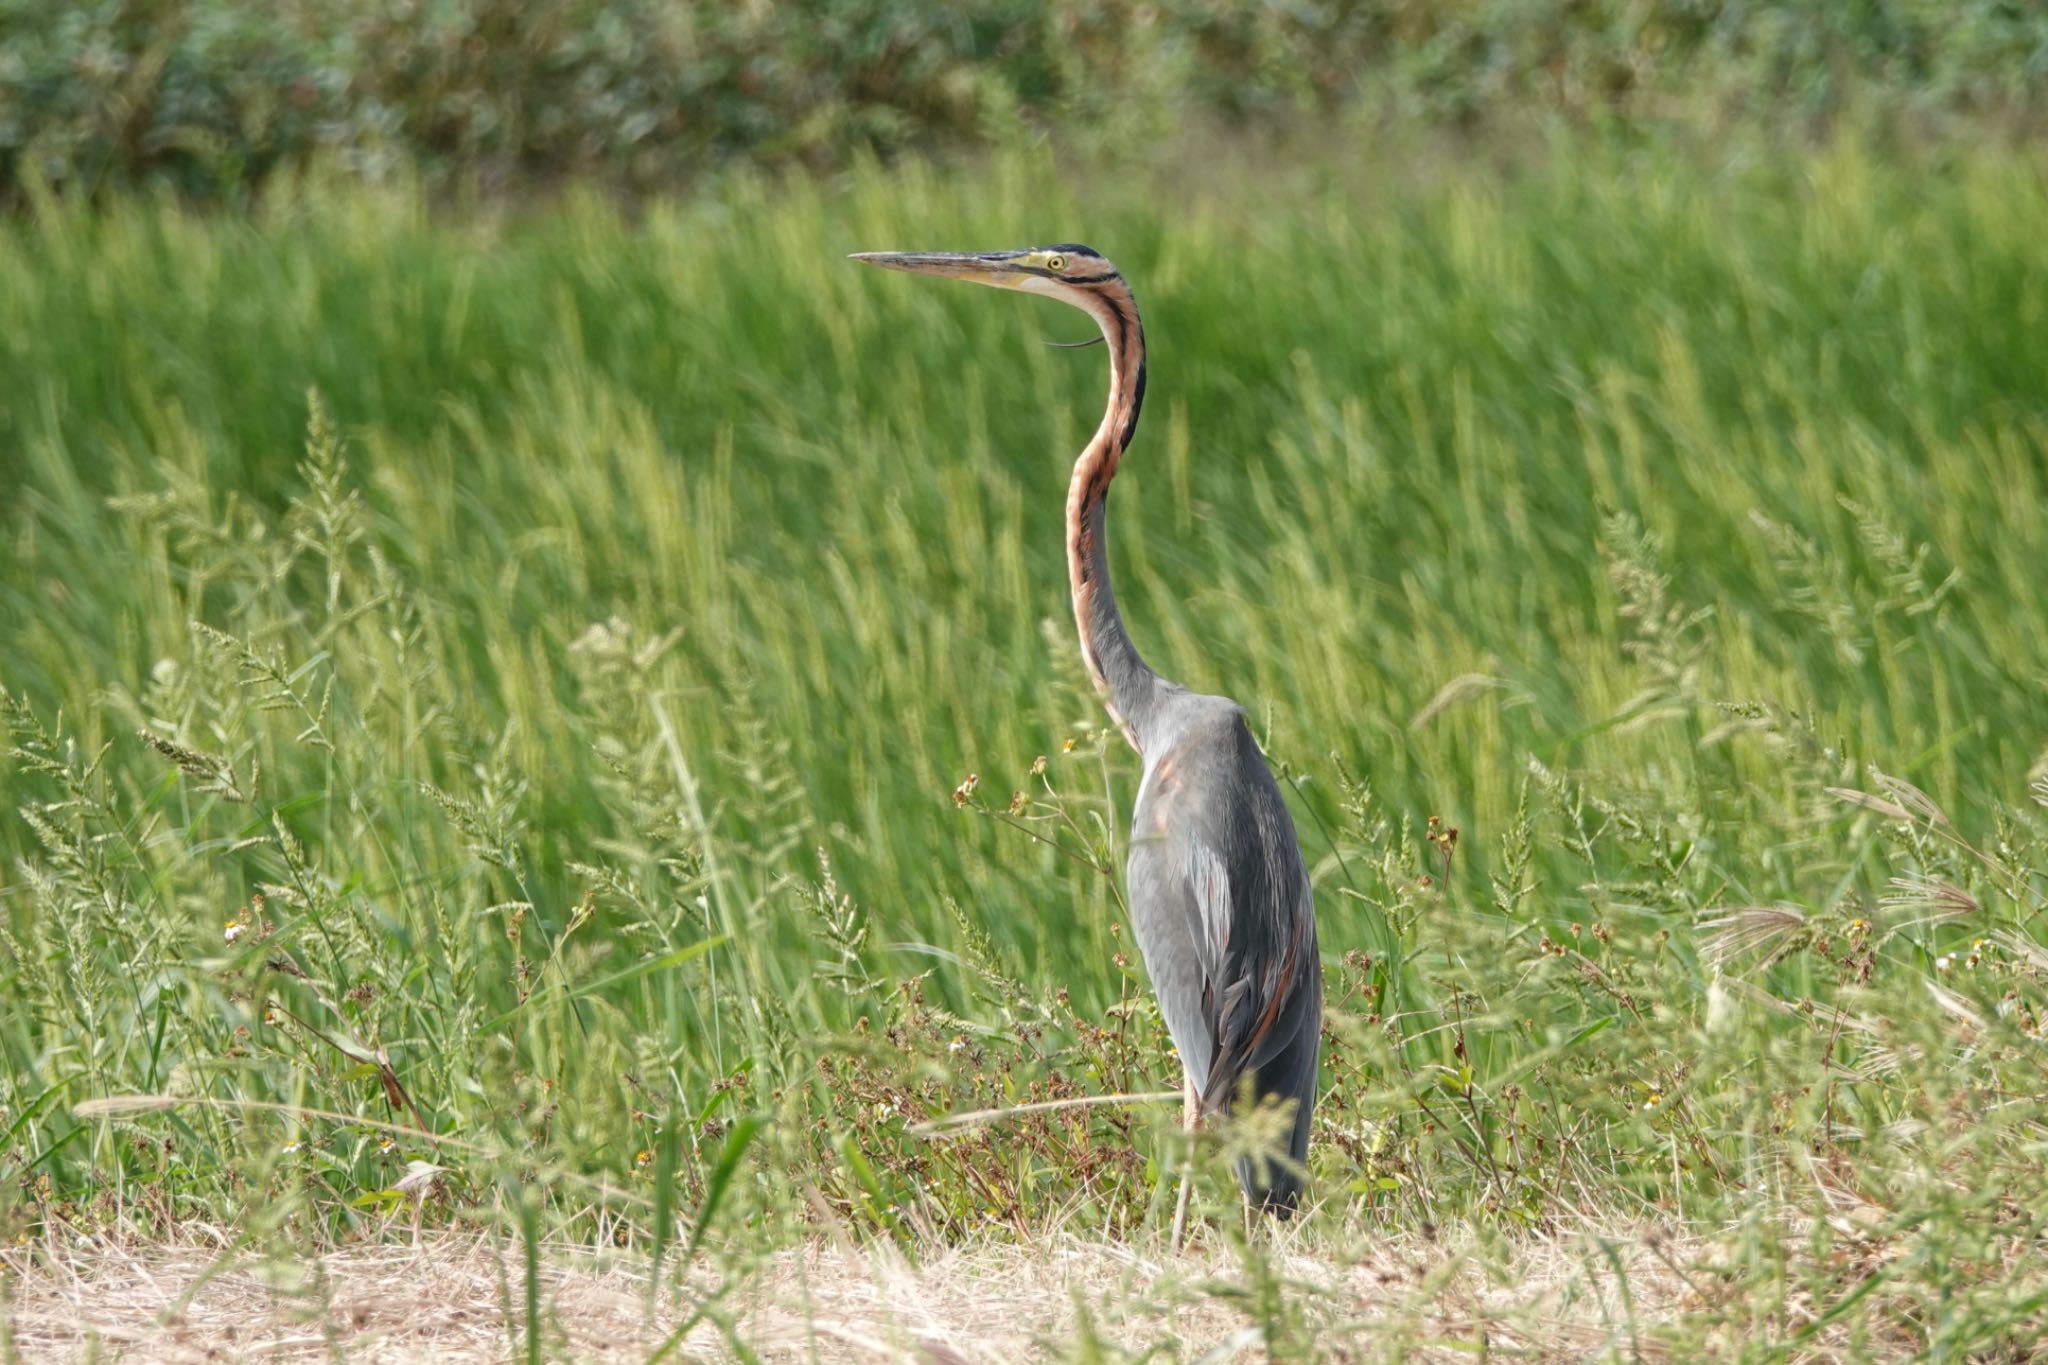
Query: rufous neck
(1127, 684)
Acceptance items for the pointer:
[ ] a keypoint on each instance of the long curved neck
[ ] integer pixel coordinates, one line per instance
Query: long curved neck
(1128, 686)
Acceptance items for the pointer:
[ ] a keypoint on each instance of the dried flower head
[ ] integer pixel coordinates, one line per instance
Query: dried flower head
(1743, 928)
(1932, 896)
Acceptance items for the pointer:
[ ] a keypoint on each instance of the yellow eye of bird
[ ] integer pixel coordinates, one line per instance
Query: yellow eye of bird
(1055, 263)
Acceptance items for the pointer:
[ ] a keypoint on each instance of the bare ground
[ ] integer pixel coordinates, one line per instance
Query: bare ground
(461, 1298)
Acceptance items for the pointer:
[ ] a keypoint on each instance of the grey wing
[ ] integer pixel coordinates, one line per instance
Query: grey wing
(1179, 913)
(1221, 907)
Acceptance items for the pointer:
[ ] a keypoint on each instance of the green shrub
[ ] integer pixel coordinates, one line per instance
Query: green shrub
(212, 95)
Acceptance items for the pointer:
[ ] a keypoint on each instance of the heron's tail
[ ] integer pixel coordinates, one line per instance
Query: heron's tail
(1271, 1187)
(1274, 1183)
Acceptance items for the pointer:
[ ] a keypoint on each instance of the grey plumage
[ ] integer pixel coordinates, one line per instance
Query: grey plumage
(1221, 908)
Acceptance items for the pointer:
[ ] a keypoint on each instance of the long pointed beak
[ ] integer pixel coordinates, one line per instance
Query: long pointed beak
(980, 267)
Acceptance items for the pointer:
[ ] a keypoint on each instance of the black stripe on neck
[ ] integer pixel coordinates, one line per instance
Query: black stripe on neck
(1123, 438)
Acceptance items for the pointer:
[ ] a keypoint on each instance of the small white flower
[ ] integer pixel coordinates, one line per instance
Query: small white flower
(956, 1045)
(290, 1147)
(1944, 962)
(235, 930)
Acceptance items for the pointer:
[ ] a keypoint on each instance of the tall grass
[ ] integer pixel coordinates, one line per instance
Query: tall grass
(543, 745)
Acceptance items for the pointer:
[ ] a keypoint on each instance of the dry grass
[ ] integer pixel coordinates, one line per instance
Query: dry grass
(457, 1298)
(449, 1298)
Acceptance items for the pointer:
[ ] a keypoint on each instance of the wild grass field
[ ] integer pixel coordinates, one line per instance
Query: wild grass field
(558, 725)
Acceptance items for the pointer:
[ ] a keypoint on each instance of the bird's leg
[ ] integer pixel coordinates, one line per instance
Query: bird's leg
(1190, 1115)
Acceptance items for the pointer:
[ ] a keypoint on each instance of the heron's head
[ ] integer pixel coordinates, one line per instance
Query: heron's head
(1072, 274)
(1076, 275)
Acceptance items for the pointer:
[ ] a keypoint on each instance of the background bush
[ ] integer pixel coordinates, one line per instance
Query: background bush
(214, 95)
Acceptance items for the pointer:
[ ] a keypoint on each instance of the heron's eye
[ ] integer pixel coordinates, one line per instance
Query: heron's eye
(1055, 263)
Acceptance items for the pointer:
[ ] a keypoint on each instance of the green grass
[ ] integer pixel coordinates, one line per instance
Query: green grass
(587, 693)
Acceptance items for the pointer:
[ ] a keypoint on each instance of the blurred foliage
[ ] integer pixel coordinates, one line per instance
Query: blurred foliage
(214, 95)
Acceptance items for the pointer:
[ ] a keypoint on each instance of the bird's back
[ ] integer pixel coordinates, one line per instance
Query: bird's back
(1221, 907)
